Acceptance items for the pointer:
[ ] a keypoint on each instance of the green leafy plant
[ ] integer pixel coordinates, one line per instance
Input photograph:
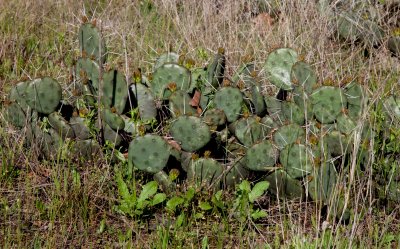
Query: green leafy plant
(132, 204)
(246, 197)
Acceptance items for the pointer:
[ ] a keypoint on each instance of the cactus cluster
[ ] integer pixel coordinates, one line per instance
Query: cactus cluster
(215, 129)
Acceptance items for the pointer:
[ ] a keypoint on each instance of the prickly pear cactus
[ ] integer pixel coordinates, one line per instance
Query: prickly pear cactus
(115, 91)
(205, 172)
(327, 103)
(191, 132)
(283, 186)
(43, 95)
(145, 101)
(229, 99)
(296, 159)
(261, 156)
(170, 75)
(215, 71)
(278, 67)
(91, 42)
(288, 134)
(149, 153)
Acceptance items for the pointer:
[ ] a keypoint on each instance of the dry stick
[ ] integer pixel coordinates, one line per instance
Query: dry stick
(100, 83)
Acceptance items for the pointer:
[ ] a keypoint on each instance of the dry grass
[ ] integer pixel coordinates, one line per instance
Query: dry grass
(43, 205)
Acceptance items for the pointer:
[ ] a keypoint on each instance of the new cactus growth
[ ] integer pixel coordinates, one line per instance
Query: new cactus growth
(149, 153)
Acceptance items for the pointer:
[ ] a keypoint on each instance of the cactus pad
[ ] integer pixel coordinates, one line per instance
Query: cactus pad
(167, 74)
(214, 117)
(149, 153)
(115, 90)
(278, 67)
(179, 104)
(87, 71)
(61, 126)
(292, 112)
(261, 156)
(288, 134)
(303, 76)
(169, 57)
(296, 160)
(323, 183)
(229, 99)
(89, 41)
(283, 186)
(114, 120)
(44, 95)
(216, 69)
(145, 101)
(248, 130)
(205, 171)
(191, 132)
(327, 103)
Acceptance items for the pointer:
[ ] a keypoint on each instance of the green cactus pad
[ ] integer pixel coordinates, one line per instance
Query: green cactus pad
(216, 69)
(167, 74)
(87, 71)
(229, 99)
(288, 134)
(89, 41)
(356, 99)
(323, 182)
(274, 106)
(18, 94)
(115, 90)
(191, 132)
(14, 114)
(292, 112)
(111, 135)
(179, 104)
(244, 74)
(205, 171)
(268, 125)
(296, 159)
(145, 101)
(278, 67)
(345, 124)
(303, 76)
(257, 99)
(261, 156)
(149, 153)
(283, 186)
(327, 103)
(302, 99)
(169, 57)
(236, 174)
(114, 120)
(337, 144)
(61, 126)
(80, 127)
(248, 130)
(164, 182)
(88, 149)
(44, 95)
(214, 117)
